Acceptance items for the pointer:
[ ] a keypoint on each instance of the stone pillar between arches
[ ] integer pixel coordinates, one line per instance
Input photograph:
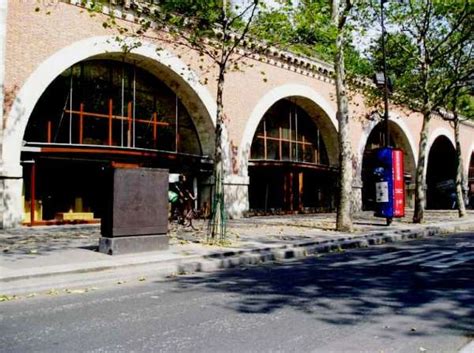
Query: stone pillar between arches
(3, 35)
(236, 190)
(357, 195)
(11, 206)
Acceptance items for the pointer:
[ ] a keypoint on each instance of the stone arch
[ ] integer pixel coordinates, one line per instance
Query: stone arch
(402, 131)
(441, 131)
(296, 186)
(308, 99)
(440, 171)
(173, 71)
(402, 138)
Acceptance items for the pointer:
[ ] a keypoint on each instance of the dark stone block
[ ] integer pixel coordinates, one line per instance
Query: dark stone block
(138, 203)
(136, 218)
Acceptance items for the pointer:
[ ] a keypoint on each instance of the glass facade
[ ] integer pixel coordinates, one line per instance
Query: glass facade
(289, 167)
(96, 115)
(287, 133)
(111, 103)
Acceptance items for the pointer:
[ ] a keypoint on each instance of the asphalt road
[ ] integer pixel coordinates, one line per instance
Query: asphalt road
(407, 297)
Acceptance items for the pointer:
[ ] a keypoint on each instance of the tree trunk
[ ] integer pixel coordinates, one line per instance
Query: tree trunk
(420, 196)
(217, 230)
(459, 172)
(344, 214)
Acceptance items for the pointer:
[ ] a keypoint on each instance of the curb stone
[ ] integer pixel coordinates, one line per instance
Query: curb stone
(245, 257)
(299, 251)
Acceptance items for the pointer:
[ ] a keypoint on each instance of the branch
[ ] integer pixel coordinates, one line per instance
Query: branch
(451, 116)
(409, 30)
(453, 85)
(445, 115)
(404, 47)
(427, 19)
(454, 28)
(424, 34)
(241, 15)
(414, 19)
(187, 42)
(243, 34)
(248, 53)
(454, 46)
(344, 14)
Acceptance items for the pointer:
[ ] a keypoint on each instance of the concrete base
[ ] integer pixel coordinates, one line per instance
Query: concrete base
(133, 244)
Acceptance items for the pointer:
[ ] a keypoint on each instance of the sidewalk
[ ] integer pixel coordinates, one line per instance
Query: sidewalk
(42, 258)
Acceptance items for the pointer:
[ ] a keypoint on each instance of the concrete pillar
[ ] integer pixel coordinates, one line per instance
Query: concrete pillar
(357, 195)
(410, 195)
(3, 39)
(11, 183)
(236, 190)
(11, 207)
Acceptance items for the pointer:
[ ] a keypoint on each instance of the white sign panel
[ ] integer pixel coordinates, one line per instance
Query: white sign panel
(381, 191)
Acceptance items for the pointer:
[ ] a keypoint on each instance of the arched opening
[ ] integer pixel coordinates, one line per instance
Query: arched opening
(105, 112)
(441, 174)
(376, 139)
(290, 167)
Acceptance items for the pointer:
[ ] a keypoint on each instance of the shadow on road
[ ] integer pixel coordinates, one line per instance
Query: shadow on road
(349, 294)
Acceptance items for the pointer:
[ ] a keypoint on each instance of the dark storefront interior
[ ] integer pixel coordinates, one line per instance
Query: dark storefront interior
(289, 168)
(441, 175)
(99, 114)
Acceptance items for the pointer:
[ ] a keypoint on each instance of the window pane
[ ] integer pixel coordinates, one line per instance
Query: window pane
(303, 142)
(94, 84)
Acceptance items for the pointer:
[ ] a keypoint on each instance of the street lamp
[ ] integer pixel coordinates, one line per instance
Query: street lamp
(390, 186)
(381, 78)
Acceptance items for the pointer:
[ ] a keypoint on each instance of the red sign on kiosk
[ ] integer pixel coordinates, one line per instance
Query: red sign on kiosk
(398, 183)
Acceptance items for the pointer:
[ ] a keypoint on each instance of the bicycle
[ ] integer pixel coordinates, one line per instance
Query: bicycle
(183, 212)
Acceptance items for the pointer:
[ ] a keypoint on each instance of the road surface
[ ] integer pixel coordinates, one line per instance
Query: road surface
(414, 296)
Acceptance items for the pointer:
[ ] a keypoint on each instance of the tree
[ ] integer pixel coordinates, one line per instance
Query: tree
(344, 214)
(308, 29)
(318, 28)
(459, 101)
(459, 106)
(215, 29)
(429, 36)
(309, 26)
(323, 29)
(460, 199)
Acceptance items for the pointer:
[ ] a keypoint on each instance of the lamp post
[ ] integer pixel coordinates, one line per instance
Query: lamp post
(389, 185)
(385, 78)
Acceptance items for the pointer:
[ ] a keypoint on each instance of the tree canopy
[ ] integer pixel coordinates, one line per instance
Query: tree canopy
(306, 28)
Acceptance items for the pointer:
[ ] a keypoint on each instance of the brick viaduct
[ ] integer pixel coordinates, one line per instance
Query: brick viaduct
(39, 46)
